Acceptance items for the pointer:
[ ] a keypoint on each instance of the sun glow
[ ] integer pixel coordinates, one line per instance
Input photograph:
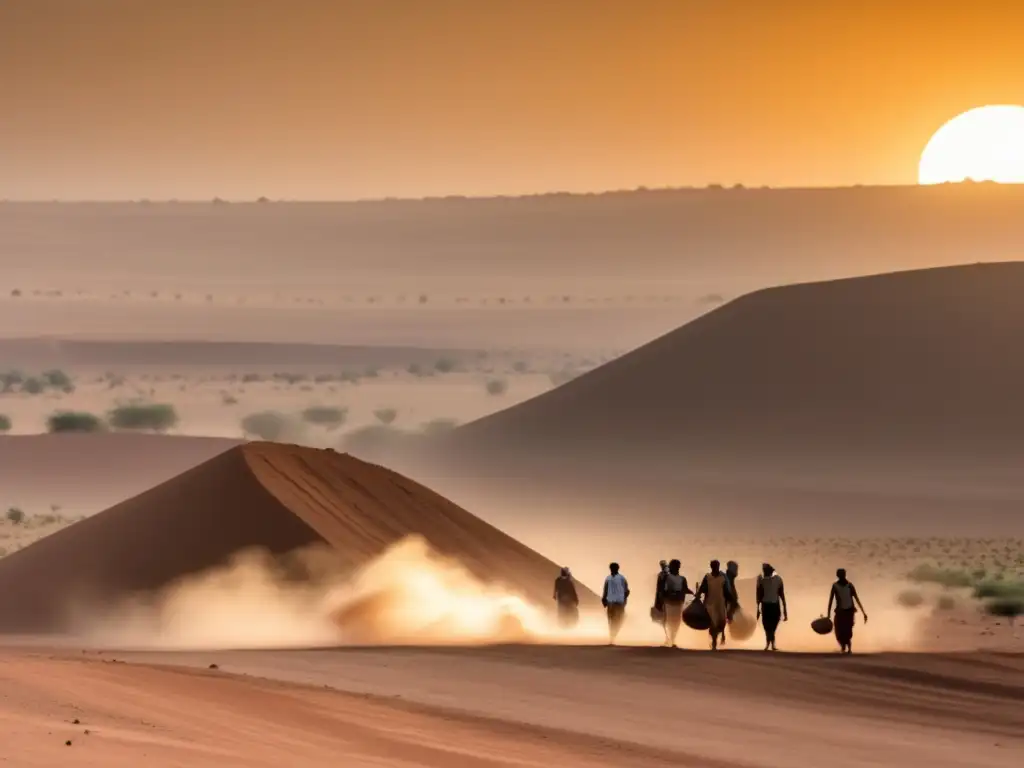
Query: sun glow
(983, 144)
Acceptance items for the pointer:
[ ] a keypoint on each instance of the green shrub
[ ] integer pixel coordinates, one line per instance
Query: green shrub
(5, 423)
(386, 416)
(945, 603)
(74, 421)
(946, 577)
(148, 417)
(266, 425)
(33, 385)
(999, 589)
(57, 379)
(444, 365)
(11, 380)
(325, 416)
(15, 515)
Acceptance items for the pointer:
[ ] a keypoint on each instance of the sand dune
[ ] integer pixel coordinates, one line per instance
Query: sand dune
(511, 706)
(275, 498)
(893, 396)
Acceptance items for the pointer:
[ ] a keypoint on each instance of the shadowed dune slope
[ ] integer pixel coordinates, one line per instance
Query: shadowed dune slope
(925, 361)
(267, 495)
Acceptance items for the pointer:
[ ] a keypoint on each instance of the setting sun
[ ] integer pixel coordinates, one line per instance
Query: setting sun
(983, 144)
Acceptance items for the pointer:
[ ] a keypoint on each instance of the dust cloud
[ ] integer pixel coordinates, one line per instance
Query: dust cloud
(411, 595)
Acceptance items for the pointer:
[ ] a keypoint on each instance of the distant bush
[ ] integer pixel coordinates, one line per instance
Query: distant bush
(10, 380)
(325, 416)
(33, 386)
(497, 387)
(946, 577)
(999, 589)
(16, 293)
(416, 369)
(74, 421)
(15, 515)
(5, 423)
(444, 365)
(945, 603)
(266, 425)
(386, 416)
(226, 398)
(370, 441)
(520, 366)
(910, 598)
(57, 379)
(436, 427)
(150, 417)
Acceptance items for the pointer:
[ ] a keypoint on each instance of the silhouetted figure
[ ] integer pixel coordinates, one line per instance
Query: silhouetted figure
(732, 573)
(715, 591)
(846, 600)
(567, 600)
(659, 603)
(770, 593)
(613, 598)
(674, 589)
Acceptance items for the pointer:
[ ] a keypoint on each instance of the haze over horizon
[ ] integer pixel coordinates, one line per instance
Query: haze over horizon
(346, 100)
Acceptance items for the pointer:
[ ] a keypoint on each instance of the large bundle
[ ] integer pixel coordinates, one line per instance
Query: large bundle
(742, 626)
(822, 625)
(696, 616)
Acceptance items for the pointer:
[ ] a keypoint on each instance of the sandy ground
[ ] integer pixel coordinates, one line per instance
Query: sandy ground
(510, 706)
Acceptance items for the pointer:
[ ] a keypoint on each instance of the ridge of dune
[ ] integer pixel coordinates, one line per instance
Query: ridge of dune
(279, 498)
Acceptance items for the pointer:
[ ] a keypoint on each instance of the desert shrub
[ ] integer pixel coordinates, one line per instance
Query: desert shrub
(424, 298)
(227, 398)
(1007, 607)
(371, 440)
(385, 416)
(351, 377)
(16, 293)
(150, 417)
(57, 379)
(496, 386)
(520, 366)
(10, 380)
(999, 589)
(945, 603)
(946, 577)
(325, 416)
(15, 515)
(74, 421)
(910, 598)
(266, 425)
(436, 427)
(33, 385)
(251, 378)
(5, 423)
(444, 365)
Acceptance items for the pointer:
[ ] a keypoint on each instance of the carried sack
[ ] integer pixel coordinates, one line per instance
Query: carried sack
(657, 615)
(742, 626)
(696, 616)
(822, 625)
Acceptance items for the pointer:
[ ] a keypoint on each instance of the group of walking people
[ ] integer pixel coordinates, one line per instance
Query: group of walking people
(718, 599)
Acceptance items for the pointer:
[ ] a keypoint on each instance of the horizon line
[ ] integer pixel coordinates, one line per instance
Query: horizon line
(638, 190)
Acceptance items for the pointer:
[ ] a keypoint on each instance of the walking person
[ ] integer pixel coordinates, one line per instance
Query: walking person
(732, 573)
(567, 600)
(715, 591)
(846, 600)
(614, 598)
(771, 603)
(674, 588)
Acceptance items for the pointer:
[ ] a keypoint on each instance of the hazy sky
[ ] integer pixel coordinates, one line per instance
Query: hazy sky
(369, 98)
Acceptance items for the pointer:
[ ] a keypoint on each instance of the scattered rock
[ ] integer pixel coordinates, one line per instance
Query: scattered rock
(214, 666)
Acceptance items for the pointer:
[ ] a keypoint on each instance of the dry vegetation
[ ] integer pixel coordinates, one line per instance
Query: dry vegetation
(19, 527)
(314, 406)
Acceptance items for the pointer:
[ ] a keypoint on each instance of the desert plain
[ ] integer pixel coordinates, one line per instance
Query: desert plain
(198, 566)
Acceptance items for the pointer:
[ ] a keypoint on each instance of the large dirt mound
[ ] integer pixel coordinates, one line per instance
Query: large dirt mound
(276, 497)
(915, 361)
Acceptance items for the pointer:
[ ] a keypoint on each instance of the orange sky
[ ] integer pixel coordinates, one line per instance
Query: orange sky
(367, 98)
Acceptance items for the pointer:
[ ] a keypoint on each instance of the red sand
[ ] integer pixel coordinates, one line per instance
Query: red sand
(277, 497)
